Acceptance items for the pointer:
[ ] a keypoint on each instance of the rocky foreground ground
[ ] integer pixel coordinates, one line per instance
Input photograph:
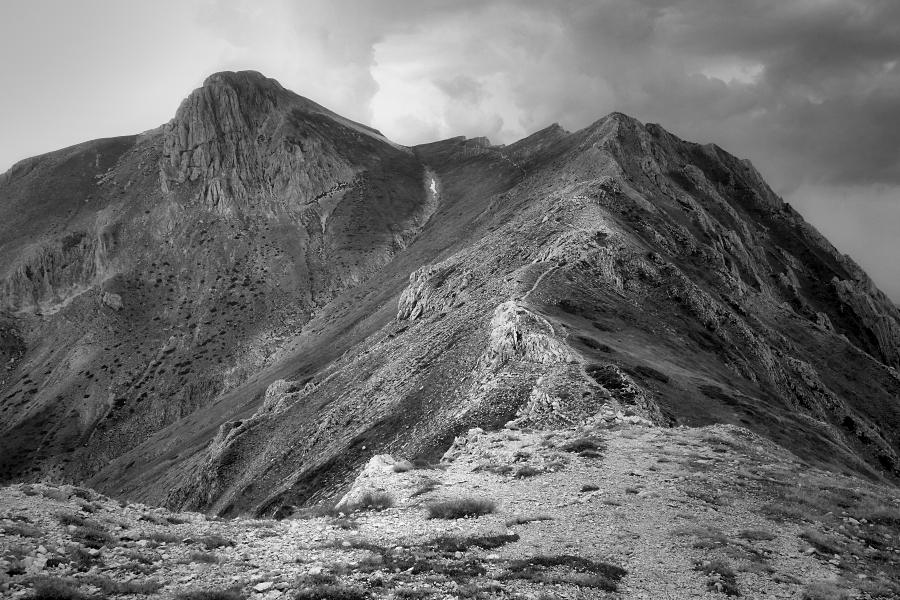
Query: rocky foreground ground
(626, 511)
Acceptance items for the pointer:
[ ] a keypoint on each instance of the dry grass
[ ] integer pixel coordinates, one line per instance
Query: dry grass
(460, 507)
(53, 588)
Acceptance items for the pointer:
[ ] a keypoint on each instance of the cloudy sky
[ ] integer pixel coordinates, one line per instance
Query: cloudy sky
(809, 90)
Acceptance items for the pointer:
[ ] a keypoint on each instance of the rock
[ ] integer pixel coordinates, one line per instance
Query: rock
(113, 301)
(265, 585)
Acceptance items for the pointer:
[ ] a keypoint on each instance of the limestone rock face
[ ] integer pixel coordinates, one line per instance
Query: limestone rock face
(297, 294)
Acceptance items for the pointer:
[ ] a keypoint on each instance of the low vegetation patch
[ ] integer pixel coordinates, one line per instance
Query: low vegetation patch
(566, 569)
(94, 537)
(213, 541)
(373, 501)
(584, 446)
(452, 544)
(720, 577)
(823, 591)
(54, 588)
(225, 594)
(22, 530)
(460, 507)
(523, 519)
(756, 535)
(162, 537)
(117, 588)
(331, 592)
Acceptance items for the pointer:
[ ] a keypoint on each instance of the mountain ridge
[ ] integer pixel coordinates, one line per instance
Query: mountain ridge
(290, 292)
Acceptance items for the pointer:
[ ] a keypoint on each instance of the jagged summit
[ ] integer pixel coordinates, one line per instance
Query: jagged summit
(235, 311)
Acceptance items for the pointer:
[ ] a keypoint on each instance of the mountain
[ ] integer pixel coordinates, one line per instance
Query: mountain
(234, 312)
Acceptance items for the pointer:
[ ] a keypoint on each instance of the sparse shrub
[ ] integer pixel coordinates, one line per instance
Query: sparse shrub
(54, 494)
(53, 588)
(460, 507)
(94, 537)
(162, 537)
(374, 501)
(526, 471)
(403, 466)
(203, 557)
(721, 578)
(823, 591)
(82, 493)
(585, 445)
(756, 535)
(429, 485)
(331, 592)
(451, 544)
(345, 523)
(822, 543)
(152, 518)
(213, 541)
(176, 520)
(80, 558)
(226, 594)
(116, 588)
(22, 530)
(567, 569)
(69, 518)
(522, 520)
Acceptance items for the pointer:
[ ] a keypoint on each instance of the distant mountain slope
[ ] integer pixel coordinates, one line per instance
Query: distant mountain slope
(264, 294)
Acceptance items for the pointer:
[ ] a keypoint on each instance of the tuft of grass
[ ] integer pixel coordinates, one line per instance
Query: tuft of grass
(23, 530)
(585, 446)
(822, 543)
(203, 557)
(757, 535)
(94, 537)
(53, 588)
(522, 520)
(224, 594)
(374, 501)
(80, 558)
(214, 540)
(526, 471)
(53, 494)
(460, 507)
(161, 537)
(331, 592)
(451, 544)
(83, 493)
(566, 569)
(69, 518)
(429, 485)
(345, 523)
(118, 588)
(823, 591)
(721, 577)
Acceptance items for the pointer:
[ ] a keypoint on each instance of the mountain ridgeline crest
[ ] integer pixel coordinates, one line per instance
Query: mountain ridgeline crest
(235, 311)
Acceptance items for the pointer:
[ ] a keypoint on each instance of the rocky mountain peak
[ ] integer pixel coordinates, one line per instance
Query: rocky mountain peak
(236, 312)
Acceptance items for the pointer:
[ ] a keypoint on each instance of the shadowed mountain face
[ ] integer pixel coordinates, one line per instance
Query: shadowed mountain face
(235, 311)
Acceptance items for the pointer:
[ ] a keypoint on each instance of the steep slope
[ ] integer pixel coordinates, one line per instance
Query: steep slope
(143, 276)
(420, 292)
(561, 277)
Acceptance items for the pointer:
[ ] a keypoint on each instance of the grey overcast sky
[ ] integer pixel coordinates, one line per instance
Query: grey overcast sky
(808, 90)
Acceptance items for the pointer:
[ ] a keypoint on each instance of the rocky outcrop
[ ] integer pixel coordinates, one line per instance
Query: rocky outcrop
(875, 317)
(51, 275)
